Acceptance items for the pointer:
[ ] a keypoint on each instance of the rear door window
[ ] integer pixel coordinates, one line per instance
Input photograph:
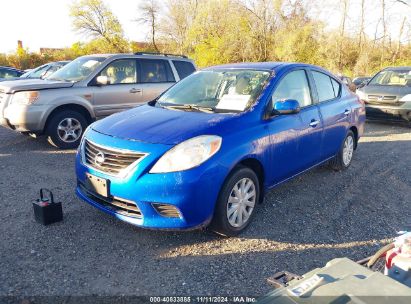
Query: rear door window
(336, 87)
(155, 71)
(325, 87)
(184, 68)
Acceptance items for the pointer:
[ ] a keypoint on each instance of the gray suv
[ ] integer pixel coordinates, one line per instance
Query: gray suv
(89, 88)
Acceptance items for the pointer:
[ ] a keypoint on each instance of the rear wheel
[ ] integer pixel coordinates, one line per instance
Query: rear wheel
(344, 157)
(236, 202)
(66, 128)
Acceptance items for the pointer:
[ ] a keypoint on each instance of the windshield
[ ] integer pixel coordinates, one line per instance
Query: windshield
(77, 70)
(36, 73)
(218, 90)
(392, 78)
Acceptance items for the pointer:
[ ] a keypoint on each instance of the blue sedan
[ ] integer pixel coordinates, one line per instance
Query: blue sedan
(205, 151)
(7, 73)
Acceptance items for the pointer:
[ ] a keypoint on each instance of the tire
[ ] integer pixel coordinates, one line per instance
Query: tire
(221, 224)
(59, 127)
(342, 161)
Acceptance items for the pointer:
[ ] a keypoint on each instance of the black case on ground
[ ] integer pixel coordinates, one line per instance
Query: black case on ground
(46, 211)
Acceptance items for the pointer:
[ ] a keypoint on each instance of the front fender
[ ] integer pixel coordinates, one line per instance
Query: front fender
(253, 144)
(63, 101)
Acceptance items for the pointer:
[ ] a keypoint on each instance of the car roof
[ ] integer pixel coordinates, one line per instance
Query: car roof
(142, 55)
(10, 68)
(248, 65)
(398, 68)
(273, 66)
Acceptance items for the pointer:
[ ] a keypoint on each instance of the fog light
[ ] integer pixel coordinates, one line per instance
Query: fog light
(167, 210)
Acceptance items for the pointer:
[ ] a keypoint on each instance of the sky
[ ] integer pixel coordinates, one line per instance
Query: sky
(46, 23)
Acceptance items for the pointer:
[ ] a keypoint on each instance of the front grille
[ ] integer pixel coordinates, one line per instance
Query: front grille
(115, 204)
(381, 98)
(109, 160)
(166, 210)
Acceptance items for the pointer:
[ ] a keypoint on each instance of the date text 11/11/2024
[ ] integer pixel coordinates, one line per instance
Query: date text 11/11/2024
(203, 299)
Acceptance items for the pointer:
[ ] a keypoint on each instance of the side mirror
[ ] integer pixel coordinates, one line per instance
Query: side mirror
(102, 80)
(288, 106)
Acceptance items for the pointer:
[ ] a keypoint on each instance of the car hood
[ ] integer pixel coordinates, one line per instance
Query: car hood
(157, 125)
(10, 79)
(32, 84)
(398, 91)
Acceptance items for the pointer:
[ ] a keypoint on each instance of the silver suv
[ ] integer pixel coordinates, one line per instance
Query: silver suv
(89, 88)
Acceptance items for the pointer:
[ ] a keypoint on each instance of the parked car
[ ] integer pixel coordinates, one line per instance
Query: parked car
(361, 81)
(9, 72)
(348, 82)
(387, 95)
(207, 150)
(89, 88)
(44, 70)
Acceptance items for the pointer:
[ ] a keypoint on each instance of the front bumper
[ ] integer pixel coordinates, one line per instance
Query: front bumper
(25, 118)
(193, 192)
(388, 113)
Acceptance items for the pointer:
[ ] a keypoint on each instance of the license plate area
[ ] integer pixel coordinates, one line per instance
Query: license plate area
(99, 185)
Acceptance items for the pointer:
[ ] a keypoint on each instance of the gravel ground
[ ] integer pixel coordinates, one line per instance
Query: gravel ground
(304, 223)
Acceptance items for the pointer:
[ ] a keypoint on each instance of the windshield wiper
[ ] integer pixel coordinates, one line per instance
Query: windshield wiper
(190, 107)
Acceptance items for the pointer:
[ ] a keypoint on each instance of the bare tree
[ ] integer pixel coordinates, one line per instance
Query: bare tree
(398, 47)
(361, 32)
(262, 23)
(149, 15)
(345, 4)
(384, 32)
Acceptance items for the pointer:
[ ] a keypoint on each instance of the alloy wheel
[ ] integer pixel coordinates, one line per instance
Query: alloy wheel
(69, 130)
(348, 150)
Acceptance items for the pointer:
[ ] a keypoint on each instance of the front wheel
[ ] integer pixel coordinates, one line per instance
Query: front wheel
(344, 157)
(66, 128)
(236, 202)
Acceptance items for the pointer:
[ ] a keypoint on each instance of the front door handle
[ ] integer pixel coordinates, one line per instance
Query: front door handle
(314, 123)
(346, 112)
(133, 90)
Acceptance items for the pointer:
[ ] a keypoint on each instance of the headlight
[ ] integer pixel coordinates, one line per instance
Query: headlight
(188, 154)
(406, 98)
(25, 98)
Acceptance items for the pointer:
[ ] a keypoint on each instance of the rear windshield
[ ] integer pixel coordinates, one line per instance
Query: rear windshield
(392, 78)
(184, 68)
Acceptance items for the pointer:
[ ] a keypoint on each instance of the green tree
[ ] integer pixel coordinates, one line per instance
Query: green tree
(95, 19)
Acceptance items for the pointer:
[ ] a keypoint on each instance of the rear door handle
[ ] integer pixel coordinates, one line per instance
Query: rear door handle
(314, 123)
(346, 112)
(133, 90)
